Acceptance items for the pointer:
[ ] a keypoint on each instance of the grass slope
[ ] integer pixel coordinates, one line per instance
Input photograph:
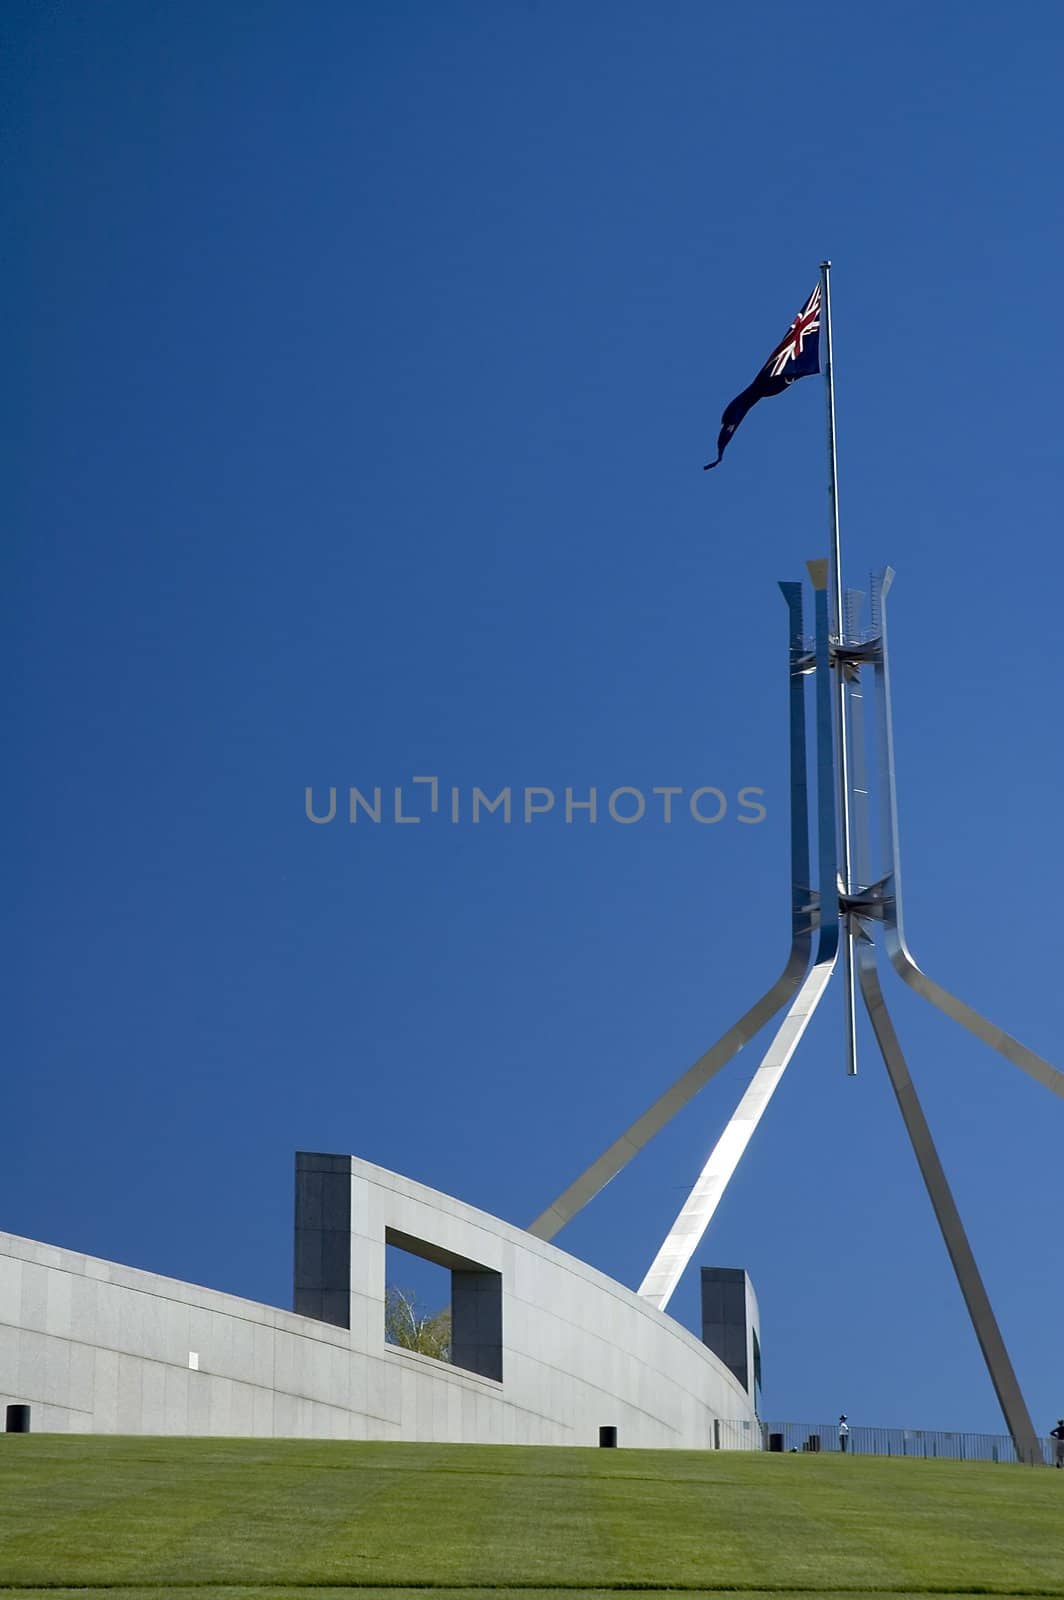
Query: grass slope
(236, 1519)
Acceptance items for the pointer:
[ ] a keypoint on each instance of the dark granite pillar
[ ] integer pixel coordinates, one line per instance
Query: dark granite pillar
(323, 1238)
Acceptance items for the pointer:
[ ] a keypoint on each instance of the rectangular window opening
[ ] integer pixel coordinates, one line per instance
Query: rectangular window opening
(443, 1305)
(417, 1304)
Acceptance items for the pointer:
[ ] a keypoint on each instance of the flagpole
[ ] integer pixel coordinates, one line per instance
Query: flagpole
(835, 564)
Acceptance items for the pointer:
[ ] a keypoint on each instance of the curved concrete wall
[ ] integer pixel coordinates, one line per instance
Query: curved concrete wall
(93, 1346)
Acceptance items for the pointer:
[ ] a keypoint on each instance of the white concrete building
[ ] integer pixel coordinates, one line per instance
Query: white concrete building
(545, 1349)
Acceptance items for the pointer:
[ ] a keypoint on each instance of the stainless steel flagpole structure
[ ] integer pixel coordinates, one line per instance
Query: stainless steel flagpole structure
(853, 896)
(845, 874)
(685, 1235)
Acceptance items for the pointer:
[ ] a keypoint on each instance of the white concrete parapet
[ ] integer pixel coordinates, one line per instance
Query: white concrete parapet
(97, 1347)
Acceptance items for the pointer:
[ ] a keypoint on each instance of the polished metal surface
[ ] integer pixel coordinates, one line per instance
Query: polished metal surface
(1002, 1376)
(880, 901)
(684, 1236)
(901, 957)
(860, 817)
(838, 625)
(854, 895)
(803, 915)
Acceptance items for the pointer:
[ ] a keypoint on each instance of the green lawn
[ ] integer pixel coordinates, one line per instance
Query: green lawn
(88, 1517)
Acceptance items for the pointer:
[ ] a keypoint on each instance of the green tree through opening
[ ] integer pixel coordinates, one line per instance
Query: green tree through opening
(406, 1323)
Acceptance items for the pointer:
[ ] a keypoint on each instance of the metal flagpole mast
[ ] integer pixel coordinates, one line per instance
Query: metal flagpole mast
(854, 893)
(845, 884)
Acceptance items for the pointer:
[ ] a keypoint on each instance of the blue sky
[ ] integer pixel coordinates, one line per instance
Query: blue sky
(364, 360)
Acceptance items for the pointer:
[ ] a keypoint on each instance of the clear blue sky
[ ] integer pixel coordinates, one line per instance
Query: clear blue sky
(362, 363)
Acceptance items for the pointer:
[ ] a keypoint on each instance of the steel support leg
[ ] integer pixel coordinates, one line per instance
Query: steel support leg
(621, 1151)
(1017, 1417)
(683, 1238)
(901, 957)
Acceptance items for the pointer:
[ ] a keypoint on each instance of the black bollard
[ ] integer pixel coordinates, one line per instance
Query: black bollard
(607, 1438)
(18, 1419)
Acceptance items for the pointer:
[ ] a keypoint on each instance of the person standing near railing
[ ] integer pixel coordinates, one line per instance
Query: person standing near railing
(1057, 1436)
(844, 1434)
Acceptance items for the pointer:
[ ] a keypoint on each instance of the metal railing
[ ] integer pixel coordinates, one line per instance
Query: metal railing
(926, 1444)
(732, 1435)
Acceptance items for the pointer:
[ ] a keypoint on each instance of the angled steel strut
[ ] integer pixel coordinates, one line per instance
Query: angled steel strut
(889, 890)
(852, 899)
(973, 1290)
(850, 902)
(684, 1236)
(803, 917)
(1002, 1375)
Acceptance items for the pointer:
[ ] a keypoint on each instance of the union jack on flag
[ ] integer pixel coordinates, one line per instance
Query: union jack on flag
(796, 356)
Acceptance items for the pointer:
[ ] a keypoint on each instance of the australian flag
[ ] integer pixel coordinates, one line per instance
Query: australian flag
(796, 356)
